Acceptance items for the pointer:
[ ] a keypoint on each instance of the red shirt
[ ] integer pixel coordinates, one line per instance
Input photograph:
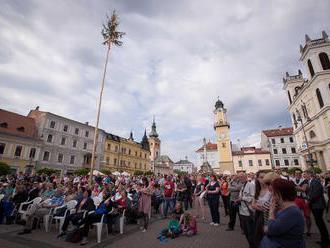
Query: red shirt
(168, 189)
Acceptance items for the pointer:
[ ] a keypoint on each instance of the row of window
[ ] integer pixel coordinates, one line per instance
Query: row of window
(240, 162)
(284, 151)
(286, 162)
(324, 59)
(66, 128)
(282, 140)
(126, 151)
(124, 163)
(63, 141)
(5, 125)
(60, 157)
(18, 151)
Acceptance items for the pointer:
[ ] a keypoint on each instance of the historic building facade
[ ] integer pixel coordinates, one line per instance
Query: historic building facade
(210, 155)
(163, 165)
(123, 154)
(309, 102)
(67, 144)
(251, 159)
(281, 144)
(184, 165)
(19, 141)
(155, 144)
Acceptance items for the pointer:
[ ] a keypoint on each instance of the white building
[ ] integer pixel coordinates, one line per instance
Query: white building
(282, 146)
(251, 159)
(212, 155)
(67, 143)
(309, 102)
(163, 165)
(184, 165)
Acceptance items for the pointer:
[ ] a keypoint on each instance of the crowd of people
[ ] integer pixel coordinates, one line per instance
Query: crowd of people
(273, 209)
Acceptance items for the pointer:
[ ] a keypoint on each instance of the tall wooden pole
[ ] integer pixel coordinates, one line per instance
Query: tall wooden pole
(98, 117)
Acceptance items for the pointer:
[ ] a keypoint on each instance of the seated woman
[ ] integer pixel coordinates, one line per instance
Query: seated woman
(286, 223)
(188, 224)
(104, 208)
(85, 204)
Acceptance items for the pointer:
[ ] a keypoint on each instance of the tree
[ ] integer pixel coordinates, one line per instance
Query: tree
(4, 169)
(138, 173)
(106, 171)
(111, 36)
(292, 170)
(148, 173)
(180, 173)
(47, 171)
(81, 172)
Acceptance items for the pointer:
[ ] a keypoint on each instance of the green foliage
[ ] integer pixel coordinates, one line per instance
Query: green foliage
(81, 171)
(291, 170)
(148, 173)
(317, 170)
(48, 171)
(4, 169)
(180, 173)
(138, 173)
(110, 33)
(106, 171)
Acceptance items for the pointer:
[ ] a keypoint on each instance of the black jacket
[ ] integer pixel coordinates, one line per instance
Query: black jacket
(315, 194)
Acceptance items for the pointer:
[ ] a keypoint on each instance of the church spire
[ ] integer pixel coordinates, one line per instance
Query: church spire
(153, 132)
(145, 142)
(131, 136)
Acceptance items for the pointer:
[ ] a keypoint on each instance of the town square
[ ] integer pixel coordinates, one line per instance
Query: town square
(146, 123)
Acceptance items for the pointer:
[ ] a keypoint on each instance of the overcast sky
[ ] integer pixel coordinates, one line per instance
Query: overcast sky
(177, 58)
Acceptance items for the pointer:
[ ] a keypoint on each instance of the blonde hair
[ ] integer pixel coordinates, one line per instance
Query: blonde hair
(270, 177)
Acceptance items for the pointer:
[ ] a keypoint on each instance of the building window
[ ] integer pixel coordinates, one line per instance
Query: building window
(250, 162)
(18, 151)
(324, 61)
(74, 143)
(319, 98)
(304, 110)
(32, 152)
(294, 120)
(240, 163)
(140, 165)
(310, 67)
(49, 138)
(85, 146)
(2, 148)
(115, 161)
(312, 134)
(46, 156)
(76, 131)
(275, 151)
(296, 162)
(286, 162)
(291, 139)
(135, 165)
(293, 150)
(4, 124)
(282, 140)
(63, 141)
(284, 150)
(116, 148)
(72, 158)
(145, 166)
(273, 141)
(60, 158)
(109, 147)
(21, 129)
(267, 161)
(259, 162)
(107, 160)
(289, 96)
(136, 153)
(52, 124)
(277, 162)
(65, 128)
(129, 151)
(86, 134)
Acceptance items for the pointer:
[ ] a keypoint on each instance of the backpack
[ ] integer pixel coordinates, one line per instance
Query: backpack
(74, 236)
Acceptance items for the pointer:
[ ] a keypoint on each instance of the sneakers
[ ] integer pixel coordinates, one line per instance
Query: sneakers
(84, 241)
(212, 223)
(144, 230)
(25, 231)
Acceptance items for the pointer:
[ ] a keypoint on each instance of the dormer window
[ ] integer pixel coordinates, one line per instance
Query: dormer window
(4, 124)
(21, 129)
(324, 61)
(312, 134)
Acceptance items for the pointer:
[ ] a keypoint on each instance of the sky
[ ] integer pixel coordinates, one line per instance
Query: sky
(177, 58)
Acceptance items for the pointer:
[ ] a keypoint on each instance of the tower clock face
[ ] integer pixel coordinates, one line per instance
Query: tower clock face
(222, 136)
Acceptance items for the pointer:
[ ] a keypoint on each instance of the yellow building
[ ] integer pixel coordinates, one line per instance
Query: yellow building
(221, 127)
(123, 154)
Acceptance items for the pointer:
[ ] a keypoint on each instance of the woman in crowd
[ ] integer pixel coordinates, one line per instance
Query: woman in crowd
(286, 223)
(213, 195)
(146, 192)
(199, 195)
(225, 194)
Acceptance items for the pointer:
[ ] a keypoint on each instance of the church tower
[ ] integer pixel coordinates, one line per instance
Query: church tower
(222, 127)
(154, 143)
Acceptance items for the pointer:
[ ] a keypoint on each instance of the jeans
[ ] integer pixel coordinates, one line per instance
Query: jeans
(248, 229)
(187, 200)
(214, 208)
(233, 210)
(318, 217)
(74, 218)
(168, 203)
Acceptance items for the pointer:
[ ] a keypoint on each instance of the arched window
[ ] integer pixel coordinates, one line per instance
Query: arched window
(319, 98)
(294, 120)
(289, 96)
(324, 61)
(304, 109)
(312, 134)
(310, 67)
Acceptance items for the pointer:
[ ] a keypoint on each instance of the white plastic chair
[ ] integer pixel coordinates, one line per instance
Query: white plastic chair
(96, 201)
(69, 206)
(99, 227)
(29, 204)
(1, 196)
(122, 222)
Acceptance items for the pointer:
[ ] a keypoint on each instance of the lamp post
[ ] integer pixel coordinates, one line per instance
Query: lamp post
(309, 159)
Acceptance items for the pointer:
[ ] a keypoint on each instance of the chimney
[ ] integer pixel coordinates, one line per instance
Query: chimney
(37, 108)
(324, 35)
(307, 39)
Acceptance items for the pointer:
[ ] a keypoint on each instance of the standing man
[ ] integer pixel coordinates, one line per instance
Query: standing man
(235, 186)
(169, 194)
(317, 205)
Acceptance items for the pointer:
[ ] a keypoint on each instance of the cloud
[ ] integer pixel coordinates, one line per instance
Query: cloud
(177, 58)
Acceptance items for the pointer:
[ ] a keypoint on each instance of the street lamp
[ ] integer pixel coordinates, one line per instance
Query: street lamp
(309, 159)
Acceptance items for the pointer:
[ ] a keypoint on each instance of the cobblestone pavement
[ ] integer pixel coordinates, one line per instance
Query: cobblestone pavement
(208, 236)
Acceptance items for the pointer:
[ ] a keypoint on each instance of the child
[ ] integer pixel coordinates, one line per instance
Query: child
(188, 224)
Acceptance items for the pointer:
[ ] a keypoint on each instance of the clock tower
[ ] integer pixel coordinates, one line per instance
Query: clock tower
(221, 127)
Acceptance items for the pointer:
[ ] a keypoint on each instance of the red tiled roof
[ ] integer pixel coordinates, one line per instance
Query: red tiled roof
(278, 132)
(249, 150)
(15, 124)
(209, 147)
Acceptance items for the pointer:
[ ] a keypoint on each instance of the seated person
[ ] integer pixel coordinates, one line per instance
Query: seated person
(48, 192)
(85, 204)
(178, 211)
(40, 210)
(188, 224)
